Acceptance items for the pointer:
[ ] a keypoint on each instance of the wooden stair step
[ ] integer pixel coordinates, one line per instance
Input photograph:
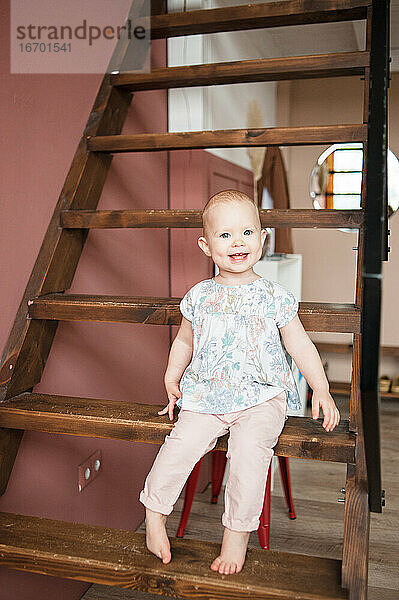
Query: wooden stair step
(343, 388)
(273, 14)
(348, 347)
(302, 437)
(229, 138)
(120, 558)
(315, 316)
(174, 218)
(246, 71)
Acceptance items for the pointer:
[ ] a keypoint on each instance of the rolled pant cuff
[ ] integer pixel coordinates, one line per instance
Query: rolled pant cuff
(155, 506)
(239, 525)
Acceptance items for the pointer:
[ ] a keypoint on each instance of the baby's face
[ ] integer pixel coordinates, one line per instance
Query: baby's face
(234, 236)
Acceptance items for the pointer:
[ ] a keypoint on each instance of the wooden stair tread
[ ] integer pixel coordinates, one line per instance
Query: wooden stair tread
(286, 217)
(302, 437)
(343, 388)
(348, 347)
(117, 557)
(273, 14)
(315, 316)
(229, 138)
(246, 71)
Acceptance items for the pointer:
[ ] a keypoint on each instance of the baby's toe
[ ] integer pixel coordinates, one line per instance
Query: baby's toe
(232, 568)
(166, 556)
(216, 564)
(225, 568)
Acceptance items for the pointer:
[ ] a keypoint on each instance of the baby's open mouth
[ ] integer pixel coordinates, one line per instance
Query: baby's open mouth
(238, 256)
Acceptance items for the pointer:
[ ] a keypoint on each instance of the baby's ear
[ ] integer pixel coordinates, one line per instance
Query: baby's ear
(203, 244)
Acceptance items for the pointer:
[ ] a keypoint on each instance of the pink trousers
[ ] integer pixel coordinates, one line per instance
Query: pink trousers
(253, 433)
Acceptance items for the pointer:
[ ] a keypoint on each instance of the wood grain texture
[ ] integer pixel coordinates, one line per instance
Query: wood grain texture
(301, 437)
(245, 71)
(175, 218)
(315, 316)
(117, 557)
(342, 388)
(355, 550)
(228, 138)
(345, 348)
(9, 444)
(273, 14)
(318, 528)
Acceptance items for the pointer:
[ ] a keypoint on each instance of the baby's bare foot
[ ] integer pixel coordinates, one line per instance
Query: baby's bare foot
(233, 552)
(156, 536)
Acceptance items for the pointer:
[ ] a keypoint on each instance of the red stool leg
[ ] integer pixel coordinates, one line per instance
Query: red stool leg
(219, 460)
(264, 521)
(285, 480)
(188, 498)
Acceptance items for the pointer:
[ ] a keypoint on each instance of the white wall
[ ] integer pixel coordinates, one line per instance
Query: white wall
(226, 106)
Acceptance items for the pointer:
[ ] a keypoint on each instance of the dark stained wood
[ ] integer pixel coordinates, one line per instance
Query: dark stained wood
(121, 309)
(390, 351)
(172, 218)
(9, 444)
(315, 316)
(355, 548)
(333, 347)
(273, 14)
(318, 528)
(345, 348)
(245, 71)
(329, 317)
(158, 7)
(118, 557)
(228, 138)
(341, 388)
(301, 437)
(356, 527)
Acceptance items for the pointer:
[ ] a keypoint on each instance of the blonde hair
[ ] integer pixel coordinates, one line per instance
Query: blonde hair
(225, 197)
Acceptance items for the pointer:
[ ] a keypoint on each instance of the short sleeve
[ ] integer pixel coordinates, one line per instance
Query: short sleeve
(186, 306)
(286, 305)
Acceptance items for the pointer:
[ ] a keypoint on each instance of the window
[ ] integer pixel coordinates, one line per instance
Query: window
(336, 180)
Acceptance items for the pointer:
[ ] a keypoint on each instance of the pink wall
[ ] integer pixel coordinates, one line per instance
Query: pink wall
(43, 119)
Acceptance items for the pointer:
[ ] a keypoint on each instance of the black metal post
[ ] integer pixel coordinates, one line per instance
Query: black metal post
(374, 246)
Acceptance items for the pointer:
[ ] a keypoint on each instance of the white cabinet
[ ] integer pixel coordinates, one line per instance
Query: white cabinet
(286, 269)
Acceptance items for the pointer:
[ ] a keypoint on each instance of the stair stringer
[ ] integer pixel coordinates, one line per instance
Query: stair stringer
(30, 340)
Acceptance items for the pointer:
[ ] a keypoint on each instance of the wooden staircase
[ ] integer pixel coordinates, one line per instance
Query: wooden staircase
(115, 557)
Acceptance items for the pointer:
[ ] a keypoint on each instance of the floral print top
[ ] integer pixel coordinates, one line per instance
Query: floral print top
(238, 359)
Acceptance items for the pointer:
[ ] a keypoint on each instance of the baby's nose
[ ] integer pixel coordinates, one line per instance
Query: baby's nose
(238, 242)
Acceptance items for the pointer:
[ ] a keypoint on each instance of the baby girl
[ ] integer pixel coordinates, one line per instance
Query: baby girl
(228, 373)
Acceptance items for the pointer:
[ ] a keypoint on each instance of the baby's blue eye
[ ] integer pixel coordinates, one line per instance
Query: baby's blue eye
(224, 234)
(249, 230)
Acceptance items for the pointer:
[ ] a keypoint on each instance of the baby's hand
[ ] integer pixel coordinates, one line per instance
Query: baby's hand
(330, 411)
(173, 391)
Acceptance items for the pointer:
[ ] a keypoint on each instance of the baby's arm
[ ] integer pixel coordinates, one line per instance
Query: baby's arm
(303, 351)
(179, 357)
